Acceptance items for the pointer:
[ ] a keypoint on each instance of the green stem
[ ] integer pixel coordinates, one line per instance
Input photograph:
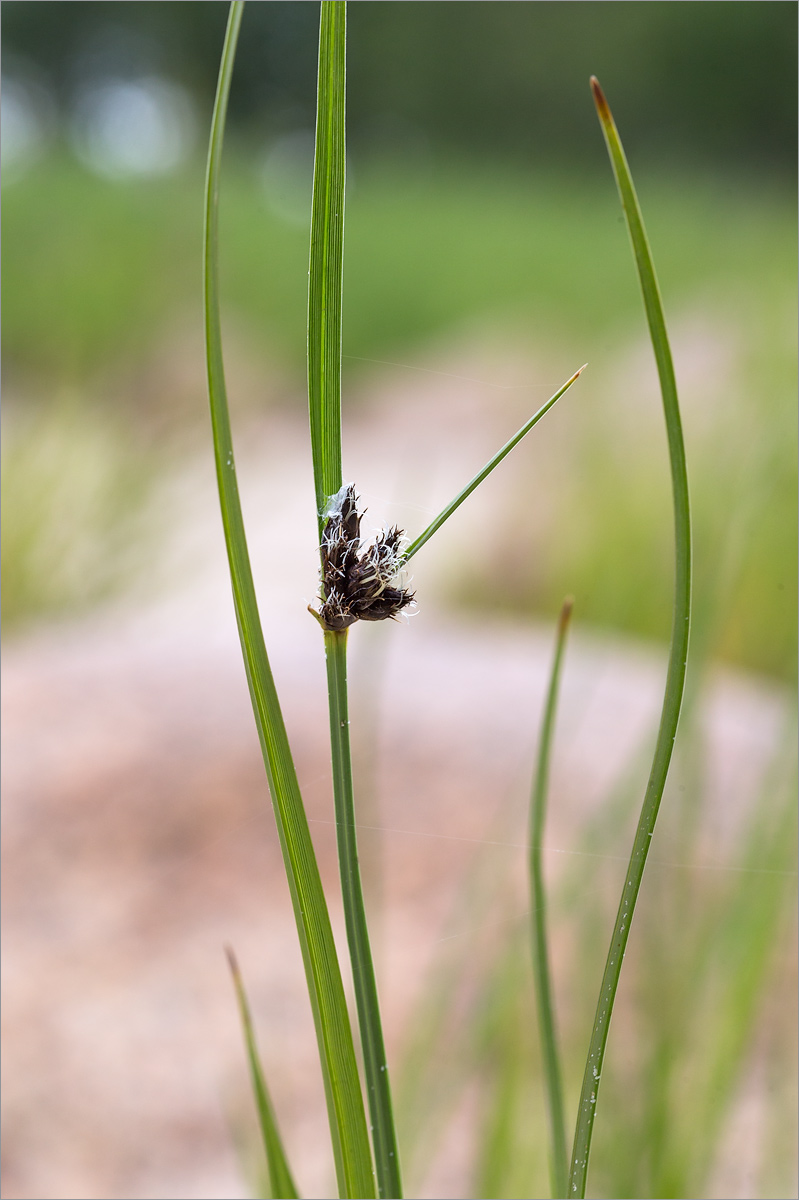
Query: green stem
(324, 402)
(675, 676)
(543, 984)
(374, 1055)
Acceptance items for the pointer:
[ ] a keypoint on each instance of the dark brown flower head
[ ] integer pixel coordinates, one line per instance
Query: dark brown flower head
(358, 585)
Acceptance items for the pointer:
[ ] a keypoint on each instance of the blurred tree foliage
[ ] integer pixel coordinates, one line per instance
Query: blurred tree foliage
(712, 83)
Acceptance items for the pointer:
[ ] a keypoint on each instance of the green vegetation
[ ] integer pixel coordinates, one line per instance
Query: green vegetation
(75, 512)
(281, 1181)
(542, 975)
(705, 1010)
(348, 1135)
(97, 275)
(545, 263)
(92, 268)
(678, 651)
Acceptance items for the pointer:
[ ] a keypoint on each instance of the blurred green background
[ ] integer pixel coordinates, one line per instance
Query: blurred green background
(480, 202)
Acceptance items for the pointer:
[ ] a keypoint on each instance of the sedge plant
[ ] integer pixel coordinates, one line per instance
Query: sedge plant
(366, 582)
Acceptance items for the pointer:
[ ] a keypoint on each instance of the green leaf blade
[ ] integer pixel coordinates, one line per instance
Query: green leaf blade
(281, 1181)
(541, 971)
(678, 653)
(455, 504)
(327, 255)
(339, 1069)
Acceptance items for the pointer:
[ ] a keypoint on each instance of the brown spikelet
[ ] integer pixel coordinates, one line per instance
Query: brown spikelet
(358, 585)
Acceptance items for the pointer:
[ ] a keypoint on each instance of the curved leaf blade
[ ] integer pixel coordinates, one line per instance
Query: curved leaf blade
(541, 972)
(339, 1069)
(678, 654)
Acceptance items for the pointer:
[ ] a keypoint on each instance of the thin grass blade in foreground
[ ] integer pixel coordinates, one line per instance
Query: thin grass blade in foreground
(280, 1178)
(447, 512)
(324, 401)
(541, 974)
(339, 1069)
(675, 677)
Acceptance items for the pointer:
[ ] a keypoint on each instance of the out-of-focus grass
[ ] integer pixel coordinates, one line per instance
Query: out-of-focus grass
(92, 267)
(74, 517)
(95, 272)
(705, 1012)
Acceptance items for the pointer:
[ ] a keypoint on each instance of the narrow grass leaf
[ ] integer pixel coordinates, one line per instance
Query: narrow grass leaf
(339, 1069)
(326, 263)
(541, 973)
(378, 1088)
(675, 676)
(447, 512)
(281, 1181)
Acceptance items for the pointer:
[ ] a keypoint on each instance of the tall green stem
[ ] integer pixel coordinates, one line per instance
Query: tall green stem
(675, 676)
(541, 975)
(374, 1055)
(324, 401)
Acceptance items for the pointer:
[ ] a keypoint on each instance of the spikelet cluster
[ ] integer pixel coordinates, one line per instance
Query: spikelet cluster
(359, 583)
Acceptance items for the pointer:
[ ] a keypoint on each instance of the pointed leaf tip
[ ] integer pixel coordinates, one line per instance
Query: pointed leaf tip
(565, 614)
(599, 99)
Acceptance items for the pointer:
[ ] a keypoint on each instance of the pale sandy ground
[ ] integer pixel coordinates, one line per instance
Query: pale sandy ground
(139, 840)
